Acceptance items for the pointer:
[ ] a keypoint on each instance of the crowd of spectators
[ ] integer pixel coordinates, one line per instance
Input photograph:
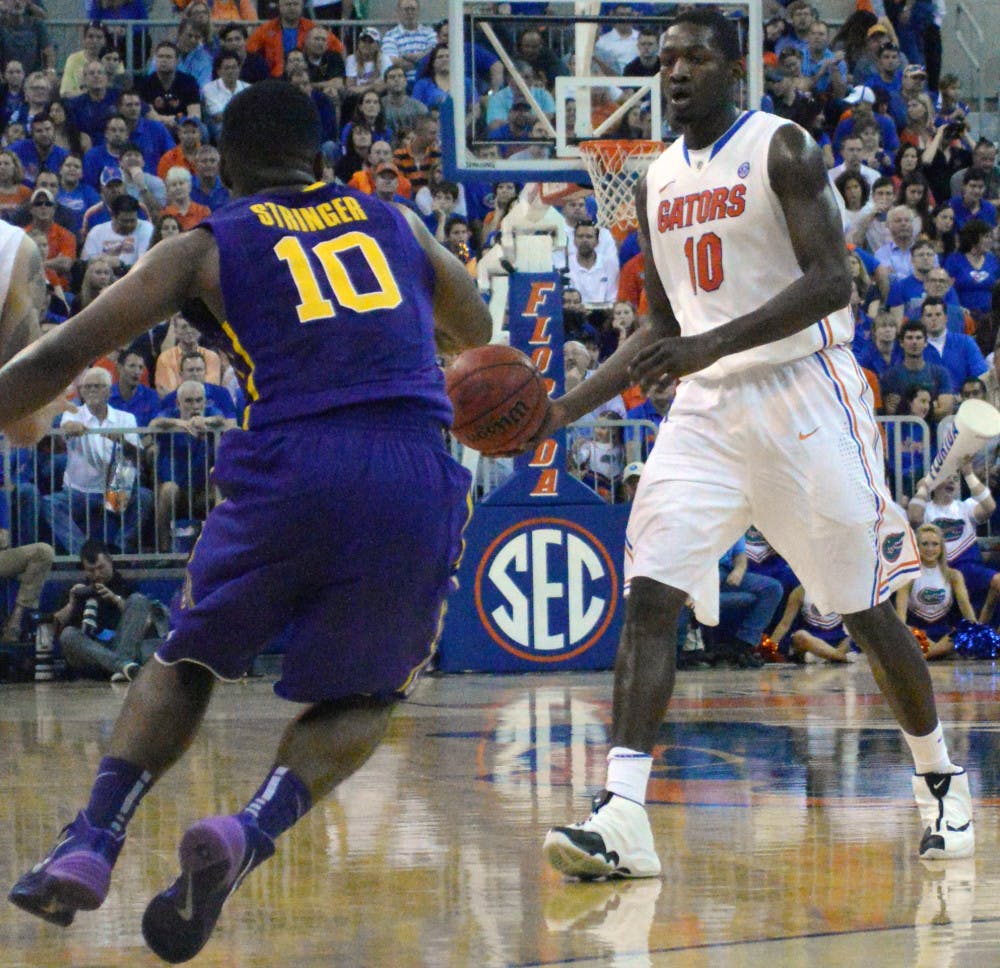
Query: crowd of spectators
(102, 159)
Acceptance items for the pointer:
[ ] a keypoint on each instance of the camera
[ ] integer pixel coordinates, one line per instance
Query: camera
(954, 129)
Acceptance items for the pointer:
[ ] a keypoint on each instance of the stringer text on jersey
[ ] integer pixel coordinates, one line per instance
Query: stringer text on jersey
(699, 207)
(310, 218)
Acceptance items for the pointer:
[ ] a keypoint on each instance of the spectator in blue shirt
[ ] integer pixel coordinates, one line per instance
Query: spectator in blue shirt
(184, 458)
(192, 367)
(916, 370)
(959, 353)
(107, 154)
(151, 137)
(907, 295)
(206, 187)
(971, 204)
(826, 69)
(39, 152)
(747, 603)
(130, 395)
(92, 109)
(974, 267)
(639, 440)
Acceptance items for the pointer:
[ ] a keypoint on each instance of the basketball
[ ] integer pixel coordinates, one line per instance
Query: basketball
(499, 398)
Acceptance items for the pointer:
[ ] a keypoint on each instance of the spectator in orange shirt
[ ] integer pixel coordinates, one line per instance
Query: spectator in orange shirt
(268, 39)
(179, 204)
(61, 244)
(168, 363)
(224, 11)
(184, 153)
(630, 280)
(363, 180)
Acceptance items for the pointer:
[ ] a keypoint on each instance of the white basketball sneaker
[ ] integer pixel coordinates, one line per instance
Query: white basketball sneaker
(946, 810)
(614, 841)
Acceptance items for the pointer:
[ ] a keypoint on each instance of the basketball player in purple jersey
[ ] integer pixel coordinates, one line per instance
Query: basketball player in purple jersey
(339, 489)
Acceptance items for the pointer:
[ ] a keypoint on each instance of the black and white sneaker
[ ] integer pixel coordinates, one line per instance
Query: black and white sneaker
(946, 810)
(614, 841)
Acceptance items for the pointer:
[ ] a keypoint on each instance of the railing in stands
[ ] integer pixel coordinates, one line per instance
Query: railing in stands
(155, 519)
(154, 535)
(965, 25)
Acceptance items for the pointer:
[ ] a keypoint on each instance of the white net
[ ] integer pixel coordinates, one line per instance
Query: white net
(615, 167)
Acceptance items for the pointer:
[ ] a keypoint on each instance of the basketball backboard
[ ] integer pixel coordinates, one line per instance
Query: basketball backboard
(582, 96)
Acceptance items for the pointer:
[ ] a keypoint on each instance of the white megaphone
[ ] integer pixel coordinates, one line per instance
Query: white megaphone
(975, 424)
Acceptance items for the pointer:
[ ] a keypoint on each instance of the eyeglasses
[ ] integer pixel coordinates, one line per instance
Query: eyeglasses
(94, 386)
(938, 279)
(45, 202)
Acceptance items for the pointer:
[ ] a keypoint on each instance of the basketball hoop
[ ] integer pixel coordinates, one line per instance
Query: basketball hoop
(615, 166)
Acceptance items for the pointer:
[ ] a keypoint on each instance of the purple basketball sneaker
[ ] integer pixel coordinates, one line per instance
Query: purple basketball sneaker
(74, 877)
(216, 854)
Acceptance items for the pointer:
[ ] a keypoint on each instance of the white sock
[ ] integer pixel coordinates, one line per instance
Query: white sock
(628, 773)
(930, 752)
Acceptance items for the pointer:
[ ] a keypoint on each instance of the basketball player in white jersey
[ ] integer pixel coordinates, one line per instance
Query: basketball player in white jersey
(748, 287)
(23, 298)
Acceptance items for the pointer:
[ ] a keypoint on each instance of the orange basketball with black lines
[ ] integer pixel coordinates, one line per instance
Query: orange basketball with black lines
(499, 398)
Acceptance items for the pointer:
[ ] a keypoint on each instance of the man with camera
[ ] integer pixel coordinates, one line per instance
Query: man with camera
(103, 623)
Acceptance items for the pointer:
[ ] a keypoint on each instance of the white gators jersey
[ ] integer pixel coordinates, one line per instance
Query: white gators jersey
(930, 595)
(721, 245)
(811, 615)
(957, 524)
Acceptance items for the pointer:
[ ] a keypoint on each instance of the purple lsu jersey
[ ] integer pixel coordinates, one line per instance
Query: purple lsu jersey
(328, 300)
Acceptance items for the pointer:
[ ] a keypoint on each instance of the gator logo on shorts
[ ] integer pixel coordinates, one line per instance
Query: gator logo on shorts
(744, 169)
(932, 596)
(951, 528)
(892, 547)
(546, 589)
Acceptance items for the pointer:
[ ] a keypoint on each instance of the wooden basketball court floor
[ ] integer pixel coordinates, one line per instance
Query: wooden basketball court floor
(781, 806)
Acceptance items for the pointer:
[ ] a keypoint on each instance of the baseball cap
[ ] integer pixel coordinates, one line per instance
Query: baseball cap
(914, 70)
(520, 102)
(190, 121)
(43, 193)
(877, 29)
(775, 75)
(860, 93)
(373, 33)
(387, 166)
(633, 470)
(111, 173)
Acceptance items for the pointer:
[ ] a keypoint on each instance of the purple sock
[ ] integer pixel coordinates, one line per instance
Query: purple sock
(116, 793)
(282, 799)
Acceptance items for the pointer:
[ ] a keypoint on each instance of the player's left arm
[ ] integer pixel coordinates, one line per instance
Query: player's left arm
(153, 290)
(798, 178)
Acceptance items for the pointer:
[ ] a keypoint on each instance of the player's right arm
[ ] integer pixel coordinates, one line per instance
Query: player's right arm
(461, 318)
(19, 328)
(181, 267)
(612, 376)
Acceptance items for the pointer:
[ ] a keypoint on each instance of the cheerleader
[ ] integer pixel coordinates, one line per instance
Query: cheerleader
(927, 603)
(817, 633)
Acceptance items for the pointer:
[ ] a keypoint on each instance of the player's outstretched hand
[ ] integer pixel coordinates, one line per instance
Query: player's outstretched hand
(670, 358)
(554, 419)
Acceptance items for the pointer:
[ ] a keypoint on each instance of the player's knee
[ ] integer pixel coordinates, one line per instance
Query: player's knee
(653, 604)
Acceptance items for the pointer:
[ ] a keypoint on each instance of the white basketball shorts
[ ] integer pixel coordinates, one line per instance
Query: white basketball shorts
(792, 449)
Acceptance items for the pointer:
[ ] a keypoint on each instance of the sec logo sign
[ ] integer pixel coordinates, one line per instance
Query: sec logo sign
(546, 589)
